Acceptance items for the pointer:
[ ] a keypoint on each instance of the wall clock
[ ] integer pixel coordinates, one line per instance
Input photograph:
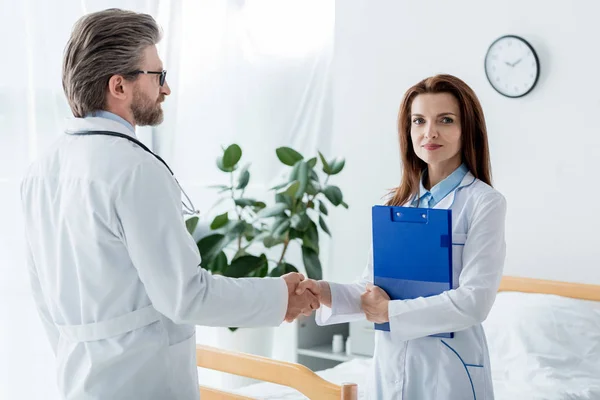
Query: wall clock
(512, 66)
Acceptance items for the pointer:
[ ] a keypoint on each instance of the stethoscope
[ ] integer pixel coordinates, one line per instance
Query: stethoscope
(187, 209)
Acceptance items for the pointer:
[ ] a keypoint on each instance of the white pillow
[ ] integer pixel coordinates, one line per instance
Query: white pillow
(545, 345)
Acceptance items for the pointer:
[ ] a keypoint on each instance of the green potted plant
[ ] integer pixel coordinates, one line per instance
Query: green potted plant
(252, 238)
(239, 237)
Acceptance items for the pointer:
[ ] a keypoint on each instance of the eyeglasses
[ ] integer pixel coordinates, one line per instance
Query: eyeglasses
(163, 75)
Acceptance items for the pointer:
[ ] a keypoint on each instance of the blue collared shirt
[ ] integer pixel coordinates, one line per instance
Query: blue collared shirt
(429, 198)
(111, 116)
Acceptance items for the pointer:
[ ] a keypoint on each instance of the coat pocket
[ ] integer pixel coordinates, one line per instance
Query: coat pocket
(477, 380)
(459, 377)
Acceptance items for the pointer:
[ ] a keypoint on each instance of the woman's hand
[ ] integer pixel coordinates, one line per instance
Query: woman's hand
(374, 303)
(320, 289)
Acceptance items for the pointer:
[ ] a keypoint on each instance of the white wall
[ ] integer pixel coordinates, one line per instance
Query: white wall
(543, 145)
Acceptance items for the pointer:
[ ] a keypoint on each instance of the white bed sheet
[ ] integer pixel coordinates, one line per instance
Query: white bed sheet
(542, 347)
(353, 371)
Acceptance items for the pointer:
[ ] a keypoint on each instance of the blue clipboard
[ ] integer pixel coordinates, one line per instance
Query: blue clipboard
(412, 253)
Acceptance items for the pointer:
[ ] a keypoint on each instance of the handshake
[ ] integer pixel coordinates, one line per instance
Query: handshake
(304, 295)
(307, 295)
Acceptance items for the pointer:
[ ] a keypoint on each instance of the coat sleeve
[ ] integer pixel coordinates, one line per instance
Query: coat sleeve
(345, 299)
(148, 208)
(469, 304)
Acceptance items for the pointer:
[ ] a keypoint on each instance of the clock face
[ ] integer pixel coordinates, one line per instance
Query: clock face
(512, 66)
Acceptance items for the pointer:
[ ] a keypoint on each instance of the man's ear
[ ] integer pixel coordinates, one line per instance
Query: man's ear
(118, 87)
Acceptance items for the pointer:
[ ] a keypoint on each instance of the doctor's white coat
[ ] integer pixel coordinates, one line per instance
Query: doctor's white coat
(410, 365)
(115, 273)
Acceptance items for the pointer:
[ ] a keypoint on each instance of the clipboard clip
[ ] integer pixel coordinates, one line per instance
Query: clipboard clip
(405, 214)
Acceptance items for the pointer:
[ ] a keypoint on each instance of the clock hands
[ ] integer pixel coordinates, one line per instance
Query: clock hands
(513, 64)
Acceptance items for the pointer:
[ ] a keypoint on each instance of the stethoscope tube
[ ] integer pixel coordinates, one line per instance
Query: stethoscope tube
(188, 210)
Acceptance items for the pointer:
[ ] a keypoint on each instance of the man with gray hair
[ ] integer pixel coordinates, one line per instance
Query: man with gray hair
(114, 271)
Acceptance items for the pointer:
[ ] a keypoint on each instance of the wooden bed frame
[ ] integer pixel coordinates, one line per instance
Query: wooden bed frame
(313, 386)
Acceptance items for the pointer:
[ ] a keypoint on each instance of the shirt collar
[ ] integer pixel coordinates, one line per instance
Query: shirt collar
(445, 187)
(111, 116)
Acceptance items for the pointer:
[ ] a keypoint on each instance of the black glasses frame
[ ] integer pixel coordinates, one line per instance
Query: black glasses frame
(161, 80)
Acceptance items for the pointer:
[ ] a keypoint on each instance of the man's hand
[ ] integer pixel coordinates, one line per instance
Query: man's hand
(303, 303)
(374, 303)
(321, 289)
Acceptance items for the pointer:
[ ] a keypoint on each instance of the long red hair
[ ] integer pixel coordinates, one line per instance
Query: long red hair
(474, 150)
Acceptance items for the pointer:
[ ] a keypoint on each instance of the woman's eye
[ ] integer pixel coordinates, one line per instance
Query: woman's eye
(447, 120)
(418, 121)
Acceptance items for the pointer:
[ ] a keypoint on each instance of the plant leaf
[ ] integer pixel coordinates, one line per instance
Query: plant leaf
(323, 225)
(282, 269)
(231, 156)
(302, 179)
(292, 189)
(283, 198)
(322, 208)
(262, 271)
(326, 167)
(222, 167)
(337, 165)
(252, 233)
(300, 222)
(243, 179)
(288, 156)
(272, 211)
(343, 204)
(210, 246)
(333, 194)
(314, 176)
(313, 188)
(258, 205)
(312, 264)
(236, 228)
(244, 266)
(191, 224)
(270, 241)
(244, 202)
(294, 234)
(312, 162)
(311, 237)
(282, 229)
(294, 173)
(280, 186)
(219, 221)
(218, 264)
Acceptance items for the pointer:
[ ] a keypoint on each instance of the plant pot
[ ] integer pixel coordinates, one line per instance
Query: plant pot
(258, 341)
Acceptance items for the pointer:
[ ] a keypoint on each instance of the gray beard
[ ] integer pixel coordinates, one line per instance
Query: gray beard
(146, 112)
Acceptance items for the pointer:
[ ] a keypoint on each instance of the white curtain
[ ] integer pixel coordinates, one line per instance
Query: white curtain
(254, 72)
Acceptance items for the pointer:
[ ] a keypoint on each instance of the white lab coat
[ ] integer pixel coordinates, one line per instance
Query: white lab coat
(408, 363)
(115, 273)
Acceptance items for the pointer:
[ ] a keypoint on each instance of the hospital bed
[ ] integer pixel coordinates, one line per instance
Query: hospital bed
(543, 336)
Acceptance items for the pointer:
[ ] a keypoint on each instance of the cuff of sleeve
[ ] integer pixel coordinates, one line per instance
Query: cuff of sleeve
(395, 308)
(281, 292)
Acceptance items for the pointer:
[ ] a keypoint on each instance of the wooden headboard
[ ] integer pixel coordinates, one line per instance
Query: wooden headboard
(566, 289)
